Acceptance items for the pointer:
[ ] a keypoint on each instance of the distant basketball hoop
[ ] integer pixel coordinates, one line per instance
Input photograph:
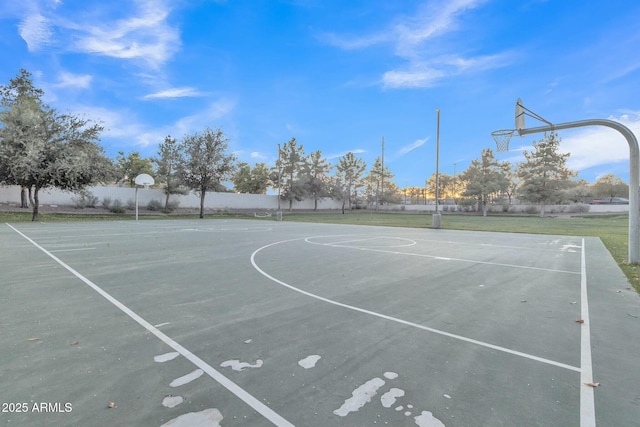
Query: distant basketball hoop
(146, 181)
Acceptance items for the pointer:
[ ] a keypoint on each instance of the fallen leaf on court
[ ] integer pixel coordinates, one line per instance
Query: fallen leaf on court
(523, 300)
(592, 384)
(632, 315)
(111, 405)
(34, 339)
(579, 321)
(573, 302)
(75, 343)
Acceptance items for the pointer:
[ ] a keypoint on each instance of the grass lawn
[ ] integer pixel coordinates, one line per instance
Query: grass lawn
(611, 229)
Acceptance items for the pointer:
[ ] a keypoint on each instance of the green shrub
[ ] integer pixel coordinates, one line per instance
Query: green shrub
(116, 207)
(85, 199)
(580, 208)
(106, 202)
(171, 206)
(131, 204)
(154, 205)
(79, 202)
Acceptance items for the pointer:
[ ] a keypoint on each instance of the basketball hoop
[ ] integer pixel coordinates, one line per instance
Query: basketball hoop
(502, 139)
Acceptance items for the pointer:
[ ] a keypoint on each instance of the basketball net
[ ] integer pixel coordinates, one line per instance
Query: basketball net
(502, 139)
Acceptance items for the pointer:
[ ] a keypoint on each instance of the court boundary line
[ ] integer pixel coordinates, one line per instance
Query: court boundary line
(238, 391)
(587, 395)
(397, 320)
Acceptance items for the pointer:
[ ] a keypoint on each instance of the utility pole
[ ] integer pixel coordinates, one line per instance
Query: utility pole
(382, 174)
(436, 216)
(279, 213)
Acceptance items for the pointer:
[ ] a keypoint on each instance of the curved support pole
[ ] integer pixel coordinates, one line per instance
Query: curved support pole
(634, 173)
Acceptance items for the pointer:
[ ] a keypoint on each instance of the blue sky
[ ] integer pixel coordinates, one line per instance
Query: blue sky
(337, 75)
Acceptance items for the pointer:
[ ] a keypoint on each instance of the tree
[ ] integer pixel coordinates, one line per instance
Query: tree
(544, 174)
(252, 181)
(291, 160)
(20, 87)
(132, 166)
(377, 182)
(167, 163)
(485, 176)
(337, 189)
(610, 186)
(316, 169)
(206, 164)
(578, 191)
(42, 148)
(350, 170)
(446, 184)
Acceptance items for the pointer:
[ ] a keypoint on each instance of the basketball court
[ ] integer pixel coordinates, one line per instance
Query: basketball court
(247, 322)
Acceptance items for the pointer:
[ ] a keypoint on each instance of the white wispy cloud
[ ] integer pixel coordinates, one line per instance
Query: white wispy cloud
(597, 146)
(411, 38)
(178, 92)
(357, 42)
(433, 19)
(426, 77)
(205, 117)
(125, 125)
(66, 79)
(258, 155)
(409, 148)
(145, 36)
(336, 156)
(36, 31)
(422, 74)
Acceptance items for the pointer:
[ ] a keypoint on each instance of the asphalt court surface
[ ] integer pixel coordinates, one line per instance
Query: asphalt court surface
(235, 323)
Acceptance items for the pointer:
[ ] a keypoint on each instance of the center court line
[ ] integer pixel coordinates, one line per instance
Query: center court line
(242, 394)
(397, 320)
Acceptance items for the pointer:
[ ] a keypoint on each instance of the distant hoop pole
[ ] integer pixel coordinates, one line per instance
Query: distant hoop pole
(634, 173)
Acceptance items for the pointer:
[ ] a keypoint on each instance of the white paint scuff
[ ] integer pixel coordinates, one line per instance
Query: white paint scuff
(166, 357)
(390, 375)
(309, 361)
(426, 419)
(172, 401)
(389, 398)
(207, 418)
(187, 378)
(237, 365)
(360, 396)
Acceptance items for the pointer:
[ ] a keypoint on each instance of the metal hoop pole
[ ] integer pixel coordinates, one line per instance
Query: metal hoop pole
(437, 160)
(634, 173)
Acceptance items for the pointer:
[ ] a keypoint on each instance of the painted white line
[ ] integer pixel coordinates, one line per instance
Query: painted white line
(473, 261)
(395, 319)
(587, 399)
(242, 394)
(350, 241)
(411, 242)
(71, 250)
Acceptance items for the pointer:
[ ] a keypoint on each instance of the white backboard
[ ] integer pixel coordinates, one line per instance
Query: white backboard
(519, 115)
(144, 179)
